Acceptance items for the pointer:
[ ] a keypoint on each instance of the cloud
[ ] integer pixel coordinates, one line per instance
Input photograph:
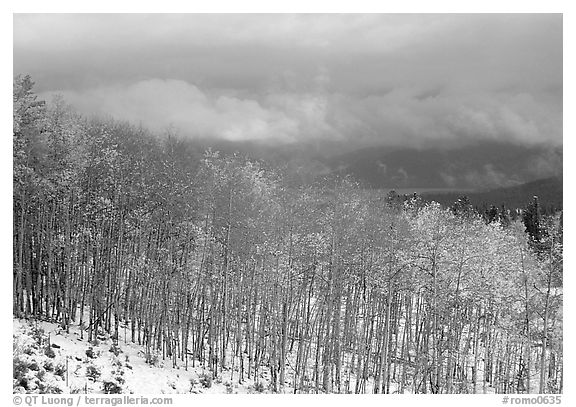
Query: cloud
(158, 104)
(390, 79)
(398, 118)
(359, 52)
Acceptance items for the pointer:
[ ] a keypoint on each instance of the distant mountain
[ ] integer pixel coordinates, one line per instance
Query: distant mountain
(481, 166)
(548, 190)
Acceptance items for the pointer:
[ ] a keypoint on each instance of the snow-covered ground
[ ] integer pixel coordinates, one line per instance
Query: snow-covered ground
(70, 368)
(73, 365)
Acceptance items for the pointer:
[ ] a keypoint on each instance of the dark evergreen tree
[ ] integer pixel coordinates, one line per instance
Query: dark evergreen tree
(463, 207)
(531, 217)
(491, 214)
(504, 216)
(394, 200)
(535, 228)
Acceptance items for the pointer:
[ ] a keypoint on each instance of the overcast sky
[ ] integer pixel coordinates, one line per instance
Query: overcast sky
(392, 79)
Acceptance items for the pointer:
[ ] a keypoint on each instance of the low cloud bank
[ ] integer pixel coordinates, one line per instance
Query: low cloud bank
(398, 117)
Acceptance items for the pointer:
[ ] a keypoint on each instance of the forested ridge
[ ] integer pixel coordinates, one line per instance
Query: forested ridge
(548, 190)
(213, 260)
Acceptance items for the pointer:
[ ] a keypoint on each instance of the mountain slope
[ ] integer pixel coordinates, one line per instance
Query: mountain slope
(480, 166)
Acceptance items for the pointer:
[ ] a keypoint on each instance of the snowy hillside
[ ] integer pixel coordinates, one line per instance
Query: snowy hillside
(49, 360)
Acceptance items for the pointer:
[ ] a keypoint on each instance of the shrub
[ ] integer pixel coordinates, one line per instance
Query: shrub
(20, 368)
(93, 372)
(115, 350)
(152, 358)
(76, 390)
(90, 353)
(229, 387)
(116, 362)
(48, 351)
(53, 390)
(259, 387)
(24, 382)
(60, 370)
(112, 386)
(48, 388)
(193, 383)
(205, 380)
(48, 365)
(39, 335)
